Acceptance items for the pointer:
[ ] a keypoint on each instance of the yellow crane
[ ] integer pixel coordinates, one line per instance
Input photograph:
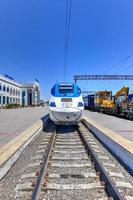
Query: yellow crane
(124, 90)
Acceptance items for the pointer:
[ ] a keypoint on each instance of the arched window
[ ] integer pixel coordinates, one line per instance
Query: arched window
(7, 100)
(23, 93)
(4, 99)
(7, 89)
(4, 87)
(14, 91)
(11, 91)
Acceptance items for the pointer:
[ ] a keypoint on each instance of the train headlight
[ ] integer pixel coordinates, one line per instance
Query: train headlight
(80, 104)
(52, 104)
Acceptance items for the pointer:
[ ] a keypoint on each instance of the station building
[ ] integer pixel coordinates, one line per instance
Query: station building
(13, 92)
(30, 94)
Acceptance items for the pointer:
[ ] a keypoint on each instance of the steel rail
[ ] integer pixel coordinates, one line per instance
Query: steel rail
(113, 190)
(40, 179)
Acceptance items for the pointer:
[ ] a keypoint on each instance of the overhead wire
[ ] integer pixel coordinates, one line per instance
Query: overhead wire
(119, 64)
(124, 62)
(65, 47)
(123, 68)
(67, 33)
(130, 66)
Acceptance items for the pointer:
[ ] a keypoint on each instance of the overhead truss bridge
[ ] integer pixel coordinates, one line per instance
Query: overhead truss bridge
(103, 77)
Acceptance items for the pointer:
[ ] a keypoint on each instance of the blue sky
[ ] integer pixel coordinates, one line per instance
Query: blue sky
(32, 41)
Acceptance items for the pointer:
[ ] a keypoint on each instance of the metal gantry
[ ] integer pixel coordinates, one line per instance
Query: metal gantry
(103, 77)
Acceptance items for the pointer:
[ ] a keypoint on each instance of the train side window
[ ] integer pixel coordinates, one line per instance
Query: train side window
(79, 91)
(53, 91)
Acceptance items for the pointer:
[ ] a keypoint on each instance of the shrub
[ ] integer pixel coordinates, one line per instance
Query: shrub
(10, 106)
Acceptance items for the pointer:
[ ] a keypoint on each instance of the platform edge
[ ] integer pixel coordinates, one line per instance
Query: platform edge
(124, 153)
(8, 163)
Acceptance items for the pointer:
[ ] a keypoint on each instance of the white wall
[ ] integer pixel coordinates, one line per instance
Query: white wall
(9, 92)
(14, 92)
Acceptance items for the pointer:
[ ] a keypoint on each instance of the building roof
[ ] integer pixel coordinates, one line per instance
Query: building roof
(30, 85)
(18, 84)
(10, 81)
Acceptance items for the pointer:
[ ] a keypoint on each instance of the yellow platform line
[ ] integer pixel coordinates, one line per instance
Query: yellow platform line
(10, 148)
(125, 143)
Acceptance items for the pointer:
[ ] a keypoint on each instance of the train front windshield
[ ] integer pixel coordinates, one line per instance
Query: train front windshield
(66, 88)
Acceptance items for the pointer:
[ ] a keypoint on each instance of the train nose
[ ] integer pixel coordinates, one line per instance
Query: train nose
(65, 116)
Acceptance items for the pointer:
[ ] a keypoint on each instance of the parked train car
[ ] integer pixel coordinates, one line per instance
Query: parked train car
(66, 104)
(89, 102)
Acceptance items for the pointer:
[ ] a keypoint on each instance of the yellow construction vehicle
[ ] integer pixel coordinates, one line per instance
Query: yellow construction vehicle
(124, 90)
(118, 105)
(111, 105)
(100, 97)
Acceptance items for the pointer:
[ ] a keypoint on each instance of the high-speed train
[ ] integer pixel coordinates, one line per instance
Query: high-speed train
(66, 104)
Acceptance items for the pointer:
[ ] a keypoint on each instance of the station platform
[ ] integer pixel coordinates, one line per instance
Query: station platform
(121, 126)
(18, 127)
(14, 121)
(116, 133)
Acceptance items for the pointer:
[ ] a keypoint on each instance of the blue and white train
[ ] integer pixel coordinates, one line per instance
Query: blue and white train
(66, 104)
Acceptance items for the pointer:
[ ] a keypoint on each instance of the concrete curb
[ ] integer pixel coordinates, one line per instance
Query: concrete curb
(9, 154)
(124, 152)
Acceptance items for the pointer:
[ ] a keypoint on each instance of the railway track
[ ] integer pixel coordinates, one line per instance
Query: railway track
(71, 163)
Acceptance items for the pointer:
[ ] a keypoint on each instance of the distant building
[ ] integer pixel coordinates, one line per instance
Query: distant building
(24, 94)
(30, 94)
